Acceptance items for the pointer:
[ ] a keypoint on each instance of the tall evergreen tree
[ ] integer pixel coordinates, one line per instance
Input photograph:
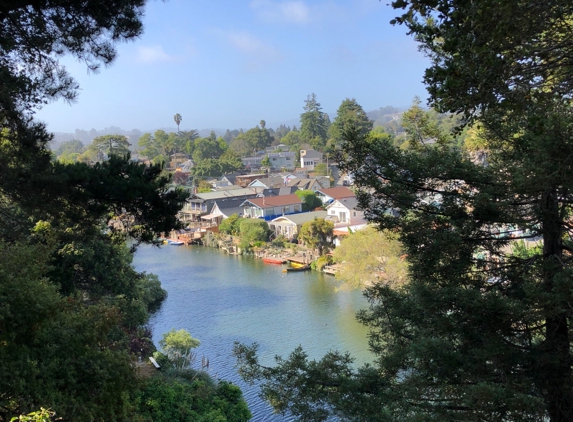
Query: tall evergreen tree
(313, 123)
(349, 115)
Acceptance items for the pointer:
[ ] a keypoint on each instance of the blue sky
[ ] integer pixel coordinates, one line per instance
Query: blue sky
(229, 64)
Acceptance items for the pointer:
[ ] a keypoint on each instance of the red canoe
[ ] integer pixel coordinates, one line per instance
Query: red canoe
(273, 260)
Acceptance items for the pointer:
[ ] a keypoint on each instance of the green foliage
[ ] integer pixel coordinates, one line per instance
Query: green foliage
(350, 116)
(150, 291)
(313, 124)
(204, 186)
(321, 169)
(175, 397)
(254, 139)
(229, 162)
(317, 234)
(67, 148)
(231, 225)
(252, 230)
(177, 346)
(322, 262)
(61, 353)
(266, 162)
(479, 331)
(105, 146)
(309, 200)
(42, 415)
(370, 256)
(177, 118)
(159, 146)
(279, 241)
(71, 306)
(292, 138)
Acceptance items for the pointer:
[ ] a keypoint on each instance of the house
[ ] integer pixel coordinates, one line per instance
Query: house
(177, 160)
(289, 225)
(344, 213)
(252, 162)
(282, 160)
(226, 180)
(309, 158)
(199, 204)
(311, 183)
(223, 209)
(268, 182)
(271, 207)
(244, 179)
(330, 194)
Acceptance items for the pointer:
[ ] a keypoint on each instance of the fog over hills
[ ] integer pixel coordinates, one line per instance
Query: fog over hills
(379, 117)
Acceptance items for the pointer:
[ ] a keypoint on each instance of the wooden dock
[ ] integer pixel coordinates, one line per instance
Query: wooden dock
(331, 269)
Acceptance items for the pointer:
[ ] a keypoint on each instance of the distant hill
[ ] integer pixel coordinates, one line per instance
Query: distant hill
(388, 116)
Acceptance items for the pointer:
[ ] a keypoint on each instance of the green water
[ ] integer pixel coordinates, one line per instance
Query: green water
(221, 299)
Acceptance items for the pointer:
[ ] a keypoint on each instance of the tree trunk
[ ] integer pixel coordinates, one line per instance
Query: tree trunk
(555, 374)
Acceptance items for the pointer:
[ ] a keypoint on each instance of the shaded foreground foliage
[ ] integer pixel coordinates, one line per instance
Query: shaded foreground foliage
(72, 308)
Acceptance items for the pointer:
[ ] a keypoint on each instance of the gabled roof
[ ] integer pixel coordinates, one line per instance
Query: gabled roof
(273, 201)
(269, 182)
(231, 193)
(301, 218)
(228, 207)
(350, 203)
(337, 192)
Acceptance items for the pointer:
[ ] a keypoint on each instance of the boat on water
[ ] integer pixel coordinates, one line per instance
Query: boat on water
(296, 264)
(175, 242)
(273, 260)
(293, 269)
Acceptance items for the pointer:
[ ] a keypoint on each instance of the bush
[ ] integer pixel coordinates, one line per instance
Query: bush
(231, 225)
(279, 242)
(253, 230)
(309, 199)
(182, 396)
(321, 262)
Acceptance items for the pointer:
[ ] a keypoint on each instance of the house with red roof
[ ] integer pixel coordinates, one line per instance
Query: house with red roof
(331, 194)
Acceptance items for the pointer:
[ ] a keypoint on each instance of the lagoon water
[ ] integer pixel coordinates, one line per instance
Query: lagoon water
(221, 299)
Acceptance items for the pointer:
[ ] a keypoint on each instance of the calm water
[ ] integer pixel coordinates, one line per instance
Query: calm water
(221, 299)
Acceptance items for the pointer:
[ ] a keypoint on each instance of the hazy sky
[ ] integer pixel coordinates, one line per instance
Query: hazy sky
(229, 64)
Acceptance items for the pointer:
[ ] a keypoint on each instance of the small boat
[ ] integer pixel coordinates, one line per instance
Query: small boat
(175, 242)
(273, 260)
(298, 264)
(293, 269)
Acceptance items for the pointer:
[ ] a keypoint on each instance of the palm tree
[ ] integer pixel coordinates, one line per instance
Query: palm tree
(177, 119)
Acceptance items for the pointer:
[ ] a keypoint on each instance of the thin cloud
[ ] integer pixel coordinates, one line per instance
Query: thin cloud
(252, 46)
(153, 54)
(286, 11)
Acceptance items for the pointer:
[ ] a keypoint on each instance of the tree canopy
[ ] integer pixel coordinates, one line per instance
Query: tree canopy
(349, 115)
(313, 123)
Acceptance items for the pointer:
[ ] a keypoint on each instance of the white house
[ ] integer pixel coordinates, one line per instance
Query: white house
(344, 213)
(271, 207)
(309, 158)
(289, 225)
